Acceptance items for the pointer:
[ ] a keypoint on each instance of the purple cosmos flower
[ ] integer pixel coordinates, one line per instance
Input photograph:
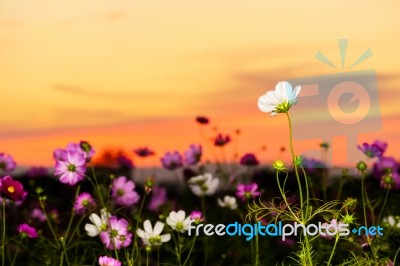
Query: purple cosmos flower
(249, 159)
(87, 149)
(311, 163)
(381, 145)
(27, 231)
(158, 197)
(193, 154)
(222, 140)
(202, 120)
(125, 162)
(7, 163)
(387, 164)
(72, 169)
(38, 214)
(171, 161)
(370, 150)
(117, 236)
(143, 152)
(123, 191)
(108, 261)
(197, 216)
(246, 192)
(12, 189)
(83, 202)
(82, 147)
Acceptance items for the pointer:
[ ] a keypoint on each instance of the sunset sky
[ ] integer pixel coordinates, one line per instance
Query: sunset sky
(136, 73)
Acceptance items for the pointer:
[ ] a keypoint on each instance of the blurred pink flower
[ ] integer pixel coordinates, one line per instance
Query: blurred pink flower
(197, 216)
(249, 159)
(193, 154)
(143, 152)
(83, 202)
(171, 161)
(222, 140)
(108, 261)
(117, 235)
(38, 214)
(37, 171)
(7, 163)
(123, 191)
(202, 120)
(27, 231)
(158, 197)
(246, 192)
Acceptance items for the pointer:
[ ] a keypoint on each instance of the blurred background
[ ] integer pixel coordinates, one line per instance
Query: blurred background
(124, 74)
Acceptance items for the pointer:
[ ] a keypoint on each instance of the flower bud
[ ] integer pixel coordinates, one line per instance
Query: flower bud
(279, 166)
(361, 166)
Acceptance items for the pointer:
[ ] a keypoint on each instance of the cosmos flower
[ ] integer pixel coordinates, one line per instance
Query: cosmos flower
(117, 235)
(249, 159)
(202, 120)
(171, 161)
(178, 221)
(385, 165)
(123, 191)
(193, 154)
(83, 202)
(203, 185)
(158, 197)
(38, 214)
(152, 236)
(7, 163)
(279, 100)
(82, 147)
(246, 192)
(108, 261)
(12, 189)
(197, 216)
(221, 141)
(143, 152)
(370, 150)
(100, 224)
(36, 171)
(228, 202)
(27, 231)
(72, 169)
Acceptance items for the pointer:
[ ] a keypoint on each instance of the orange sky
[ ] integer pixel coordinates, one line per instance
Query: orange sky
(134, 73)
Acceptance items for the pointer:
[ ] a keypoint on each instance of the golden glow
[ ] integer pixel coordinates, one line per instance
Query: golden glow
(134, 73)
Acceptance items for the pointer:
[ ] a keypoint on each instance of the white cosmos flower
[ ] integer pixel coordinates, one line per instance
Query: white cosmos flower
(99, 225)
(228, 202)
(280, 100)
(178, 221)
(152, 236)
(203, 185)
(392, 222)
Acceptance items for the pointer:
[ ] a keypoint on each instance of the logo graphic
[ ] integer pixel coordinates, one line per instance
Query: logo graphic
(342, 104)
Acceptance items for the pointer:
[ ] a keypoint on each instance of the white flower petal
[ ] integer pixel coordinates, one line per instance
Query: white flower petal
(147, 227)
(91, 230)
(95, 219)
(158, 227)
(165, 238)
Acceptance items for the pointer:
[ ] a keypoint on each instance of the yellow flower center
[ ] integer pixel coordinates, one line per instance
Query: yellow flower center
(11, 189)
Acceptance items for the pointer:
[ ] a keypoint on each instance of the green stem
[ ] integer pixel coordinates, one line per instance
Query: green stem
(363, 200)
(136, 247)
(333, 250)
(203, 209)
(384, 205)
(294, 216)
(257, 252)
(190, 251)
(98, 188)
(3, 235)
(16, 252)
(147, 258)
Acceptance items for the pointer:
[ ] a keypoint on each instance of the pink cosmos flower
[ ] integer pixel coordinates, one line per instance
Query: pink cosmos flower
(249, 159)
(197, 216)
(83, 202)
(222, 140)
(193, 154)
(108, 261)
(38, 214)
(123, 191)
(12, 189)
(246, 192)
(143, 152)
(7, 163)
(37, 171)
(82, 147)
(158, 197)
(117, 235)
(71, 169)
(27, 231)
(171, 161)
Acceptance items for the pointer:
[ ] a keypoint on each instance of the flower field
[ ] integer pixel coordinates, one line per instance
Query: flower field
(87, 211)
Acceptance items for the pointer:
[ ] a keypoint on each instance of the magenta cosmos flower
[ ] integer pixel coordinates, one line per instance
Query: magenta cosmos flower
(246, 192)
(249, 159)
(83, 203)
(202, 120)
(222, 140)
(12, 189)
(27, 231)
(371, 150)
(197, 216)
(143, 152)
(158, 198)
(171, 160)
(71, 168)
(117, 235)
(7, 163)
(82, 147)
(123, 191)
(193, 154)
(108, 261)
